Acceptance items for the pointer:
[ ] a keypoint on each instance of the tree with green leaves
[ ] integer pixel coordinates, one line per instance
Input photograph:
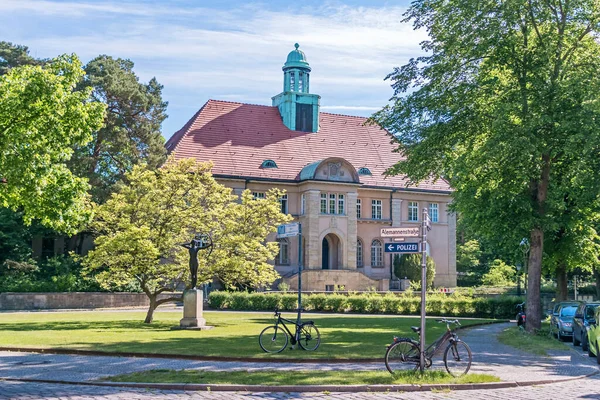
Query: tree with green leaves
(503, 106)
(131, 133)
(14, 55)
(409, 266)
(42, 118)
(142, 227)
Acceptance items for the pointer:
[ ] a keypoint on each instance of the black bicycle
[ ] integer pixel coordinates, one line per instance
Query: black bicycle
(404, 353)
(275, 338)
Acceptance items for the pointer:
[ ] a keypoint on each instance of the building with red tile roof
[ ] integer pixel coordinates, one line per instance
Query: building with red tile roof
(332, 167)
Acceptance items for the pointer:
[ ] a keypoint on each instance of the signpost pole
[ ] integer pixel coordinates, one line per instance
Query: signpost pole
(423, 287)
(299, 270)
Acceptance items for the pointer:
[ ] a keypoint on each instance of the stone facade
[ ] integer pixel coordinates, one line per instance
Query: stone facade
(344, 232)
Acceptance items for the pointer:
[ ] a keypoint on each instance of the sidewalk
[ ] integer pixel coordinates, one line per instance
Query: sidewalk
(514, 368)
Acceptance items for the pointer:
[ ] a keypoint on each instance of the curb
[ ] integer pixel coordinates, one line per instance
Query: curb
(298, 388)
(96, 353)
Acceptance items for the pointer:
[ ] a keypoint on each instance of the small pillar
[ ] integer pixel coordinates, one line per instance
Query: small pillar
(192, 310)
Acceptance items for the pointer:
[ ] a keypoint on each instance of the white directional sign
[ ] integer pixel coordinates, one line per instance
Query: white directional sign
(288, 230)
(401, 232)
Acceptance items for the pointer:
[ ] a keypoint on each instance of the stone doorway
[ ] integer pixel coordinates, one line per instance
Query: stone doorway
(331, 252)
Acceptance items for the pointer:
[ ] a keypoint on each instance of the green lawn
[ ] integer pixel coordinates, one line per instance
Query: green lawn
(538, 343)
(278, 378)
(234, 334)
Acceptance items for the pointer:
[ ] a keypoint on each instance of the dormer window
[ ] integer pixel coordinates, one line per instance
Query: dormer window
(268, 164)
(364, 171)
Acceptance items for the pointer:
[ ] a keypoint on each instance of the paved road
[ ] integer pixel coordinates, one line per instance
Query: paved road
(587, 389)
(489, 357)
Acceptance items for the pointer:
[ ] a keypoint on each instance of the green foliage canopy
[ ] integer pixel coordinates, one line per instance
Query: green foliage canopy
(505, 107)
(409, 266)
(42, 118)
(131, 131)
(141, 228)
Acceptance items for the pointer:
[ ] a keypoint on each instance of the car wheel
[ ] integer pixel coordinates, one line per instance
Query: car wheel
(584, 343)
(575, 341)
(590, 351)
(560, 337)
(598, 356)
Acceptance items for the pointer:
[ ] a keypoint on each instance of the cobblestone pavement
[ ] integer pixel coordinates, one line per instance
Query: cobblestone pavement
(587, 389)
(489, 357)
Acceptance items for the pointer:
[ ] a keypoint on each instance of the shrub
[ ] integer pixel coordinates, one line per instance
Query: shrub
(409, 265)
(455, 305)
(500, 274)
(218, 299)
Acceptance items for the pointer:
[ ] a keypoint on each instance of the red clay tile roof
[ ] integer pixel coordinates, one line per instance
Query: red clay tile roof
(238, 137)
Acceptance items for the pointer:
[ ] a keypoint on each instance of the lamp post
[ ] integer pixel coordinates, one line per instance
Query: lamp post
(518, 266)
(524, 246)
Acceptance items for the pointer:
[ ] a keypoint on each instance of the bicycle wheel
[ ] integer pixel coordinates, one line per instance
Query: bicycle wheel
(457, 358)
(310, 338)
(402, 356)
(273, 339)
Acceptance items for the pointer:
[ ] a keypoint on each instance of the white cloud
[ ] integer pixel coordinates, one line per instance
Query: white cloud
(209, 53)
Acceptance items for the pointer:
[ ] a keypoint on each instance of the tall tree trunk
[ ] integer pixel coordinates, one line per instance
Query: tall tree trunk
(561, 282)
(534, 309)
(151, 308)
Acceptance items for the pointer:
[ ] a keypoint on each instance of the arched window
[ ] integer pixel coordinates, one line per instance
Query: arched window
(376, 253)
(268, 164)
(364, 171)
(283, 258)
(359, 254)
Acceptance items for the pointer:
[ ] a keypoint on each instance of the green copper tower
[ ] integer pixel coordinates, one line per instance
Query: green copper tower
(298, 108)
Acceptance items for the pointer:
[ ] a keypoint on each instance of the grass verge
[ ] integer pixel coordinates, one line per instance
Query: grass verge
(234, 334)
(536, 343)
(303, 377)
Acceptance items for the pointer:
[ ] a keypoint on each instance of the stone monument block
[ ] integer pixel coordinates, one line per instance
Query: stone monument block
(192, 310)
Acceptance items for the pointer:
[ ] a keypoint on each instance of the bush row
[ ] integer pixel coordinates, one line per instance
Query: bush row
(442, 305)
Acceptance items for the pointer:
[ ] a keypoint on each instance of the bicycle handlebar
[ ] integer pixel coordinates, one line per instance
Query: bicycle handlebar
(449, 321)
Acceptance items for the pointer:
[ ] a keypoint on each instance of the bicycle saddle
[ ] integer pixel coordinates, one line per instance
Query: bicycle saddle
(415, 328)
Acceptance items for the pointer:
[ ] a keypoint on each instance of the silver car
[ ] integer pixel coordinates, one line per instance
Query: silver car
(563, 321)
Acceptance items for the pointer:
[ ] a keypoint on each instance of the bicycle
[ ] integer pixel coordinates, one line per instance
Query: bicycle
(274, 338)
(404, 353)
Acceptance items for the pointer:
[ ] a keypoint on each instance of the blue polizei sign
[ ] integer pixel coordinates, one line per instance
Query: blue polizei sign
(401, 247)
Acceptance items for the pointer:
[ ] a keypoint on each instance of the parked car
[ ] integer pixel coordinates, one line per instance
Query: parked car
(593, 335)
(562, 321)
(584, 316)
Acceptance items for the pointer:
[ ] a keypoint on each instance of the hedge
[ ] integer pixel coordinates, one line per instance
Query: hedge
(437, 304)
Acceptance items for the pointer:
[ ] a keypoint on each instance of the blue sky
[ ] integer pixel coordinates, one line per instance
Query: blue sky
(228, 50)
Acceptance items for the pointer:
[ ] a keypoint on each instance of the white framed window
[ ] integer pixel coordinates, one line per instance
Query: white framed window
(376, 253)
(300, 81)
(332, 197)
(323, 203)
(413, 211)
(359, 254)
(434, 212)
(302, 204)
(376, 209)
(283, 200)
(283, 257)
(333, 203)
(292, 81)
(258, 195)
(358, 208)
